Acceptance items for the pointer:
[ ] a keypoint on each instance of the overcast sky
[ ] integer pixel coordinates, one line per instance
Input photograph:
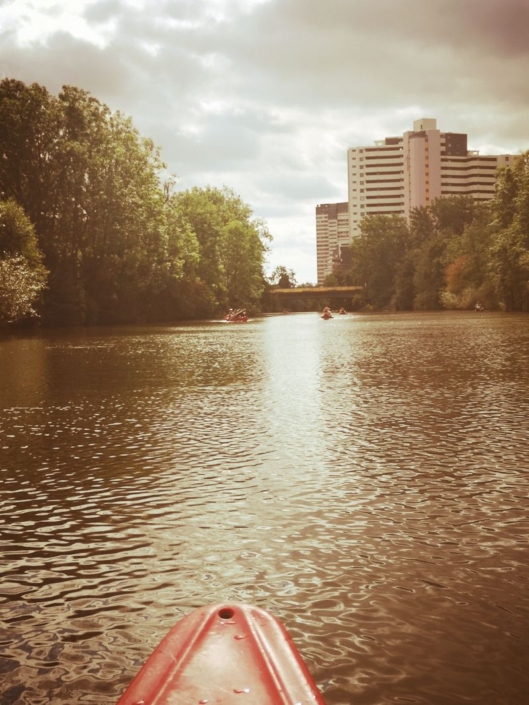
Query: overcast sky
(265, 96)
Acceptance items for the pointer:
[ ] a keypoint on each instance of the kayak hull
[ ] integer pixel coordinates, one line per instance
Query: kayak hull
(224, 654)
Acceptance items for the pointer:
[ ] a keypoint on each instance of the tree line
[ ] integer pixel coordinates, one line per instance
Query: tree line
(92, 229)
(452, 255)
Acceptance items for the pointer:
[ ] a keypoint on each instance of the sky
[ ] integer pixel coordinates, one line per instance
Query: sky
(266, 96)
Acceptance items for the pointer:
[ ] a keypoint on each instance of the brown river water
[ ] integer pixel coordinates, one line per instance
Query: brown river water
(365, 479)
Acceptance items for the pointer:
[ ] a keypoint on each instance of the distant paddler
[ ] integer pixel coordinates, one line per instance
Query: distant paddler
(238, 315)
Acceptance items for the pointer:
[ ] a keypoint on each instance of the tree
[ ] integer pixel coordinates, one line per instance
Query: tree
(91, 188)
(283, 278)
(242, 256)
(404, 296)
(443, 249)
(429, 274)
(17, 234)
(22, 275)
(231, 245)
(375, 256)
(504, 202)
(114, 246)
(509, 249)
(452, 213)
(509, 268)
(179, 291)
(30, 137)
(120, 246)
(421, 227)
(20, 286)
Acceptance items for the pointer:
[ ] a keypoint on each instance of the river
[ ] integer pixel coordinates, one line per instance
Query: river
(365, 479)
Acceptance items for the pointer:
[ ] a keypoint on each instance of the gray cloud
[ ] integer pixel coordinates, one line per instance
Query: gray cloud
(267, 96)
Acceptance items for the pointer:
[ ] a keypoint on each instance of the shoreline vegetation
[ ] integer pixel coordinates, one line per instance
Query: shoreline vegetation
(93, 232)
(455, 254)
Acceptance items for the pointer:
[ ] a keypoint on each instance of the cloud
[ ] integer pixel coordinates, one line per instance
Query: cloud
(266, 96)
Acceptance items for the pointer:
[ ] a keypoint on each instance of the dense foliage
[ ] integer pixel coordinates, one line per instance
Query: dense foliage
(22, 275)
(454, 254)
(119, 243)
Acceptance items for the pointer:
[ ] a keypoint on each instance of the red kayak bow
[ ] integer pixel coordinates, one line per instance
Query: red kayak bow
(224, 654)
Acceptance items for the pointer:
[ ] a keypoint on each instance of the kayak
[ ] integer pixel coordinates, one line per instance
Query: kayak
(238, 316)
(224, 654)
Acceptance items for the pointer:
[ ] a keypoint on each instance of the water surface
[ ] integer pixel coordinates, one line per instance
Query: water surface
(366, 479)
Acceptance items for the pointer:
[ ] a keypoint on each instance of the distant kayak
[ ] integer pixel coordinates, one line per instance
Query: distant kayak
(238, 316)
(219, 654)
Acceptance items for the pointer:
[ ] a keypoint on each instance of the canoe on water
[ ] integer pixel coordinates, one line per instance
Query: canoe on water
(224, 654)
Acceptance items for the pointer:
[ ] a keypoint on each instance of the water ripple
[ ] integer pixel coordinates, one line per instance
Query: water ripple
(365, 480)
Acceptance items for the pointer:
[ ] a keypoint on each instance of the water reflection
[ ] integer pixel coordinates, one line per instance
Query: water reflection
(364, 478)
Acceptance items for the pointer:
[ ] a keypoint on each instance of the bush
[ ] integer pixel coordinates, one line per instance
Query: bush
(20, 287)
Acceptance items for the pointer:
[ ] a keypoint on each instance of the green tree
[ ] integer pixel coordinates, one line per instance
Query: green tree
(20, 287)
(504, 203)
(421, 230)
(22, 275)
(30, 137)
(91, 187)
(467, 277)
(404, 296)
(17, 234)
(441, 244)
(375, 255)
(509, 248)
(242, 255)
(120, 246)
(179, 288)
(429, 274)
(283, 278)
(452, 214)
(113, 225)
(509, 268)
(231, 245)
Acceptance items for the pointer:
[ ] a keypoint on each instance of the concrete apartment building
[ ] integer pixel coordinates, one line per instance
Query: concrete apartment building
(332, 233)
(397, 174)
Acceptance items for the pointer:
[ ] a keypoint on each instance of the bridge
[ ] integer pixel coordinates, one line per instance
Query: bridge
(316, 292)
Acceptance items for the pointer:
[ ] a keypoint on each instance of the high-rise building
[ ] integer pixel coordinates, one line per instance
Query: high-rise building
(398, 174)
(332, 232)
